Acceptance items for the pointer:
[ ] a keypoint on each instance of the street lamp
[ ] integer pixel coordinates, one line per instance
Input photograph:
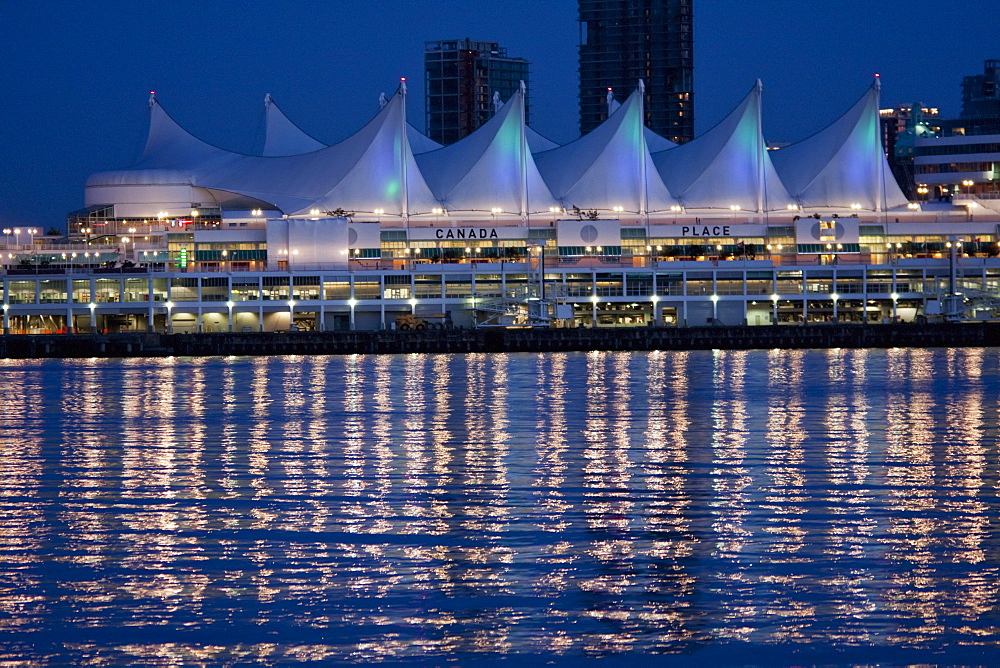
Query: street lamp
(230, 305)
(834, 296)
(93, 317)
(715, 308)
(6, 238)
(352, 303)
(895, 299)
(774, 300)
(17, 236)
(291, 314)
(170, 319)
(593, 321)
(656, 316)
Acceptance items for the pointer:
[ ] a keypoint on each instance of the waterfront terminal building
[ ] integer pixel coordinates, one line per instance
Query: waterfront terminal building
(504, 227)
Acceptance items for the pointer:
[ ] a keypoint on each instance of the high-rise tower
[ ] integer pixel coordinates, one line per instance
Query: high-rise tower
(622, 41)
(460, 78)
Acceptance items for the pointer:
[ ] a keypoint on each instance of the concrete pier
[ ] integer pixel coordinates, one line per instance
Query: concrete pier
(29, 346)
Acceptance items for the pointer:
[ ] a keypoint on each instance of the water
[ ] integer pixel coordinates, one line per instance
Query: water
(727, 507)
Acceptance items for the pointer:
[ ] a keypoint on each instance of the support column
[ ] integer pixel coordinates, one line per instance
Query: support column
(150, 297)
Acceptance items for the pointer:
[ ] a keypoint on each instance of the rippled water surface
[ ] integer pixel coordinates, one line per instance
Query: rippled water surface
(733, 507)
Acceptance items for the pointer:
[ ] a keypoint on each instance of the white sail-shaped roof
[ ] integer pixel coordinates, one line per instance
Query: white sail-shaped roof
(169, 146)
(372, 170)
(843, 165)
(492, 168)
(538, 143)
(282, 136)
(654, 142)
(609, 167)
(419, 142)
(172, 155)
(727, 167)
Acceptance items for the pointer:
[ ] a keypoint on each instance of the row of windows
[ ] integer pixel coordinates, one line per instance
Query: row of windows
(958, 149)
(433, 286)
(951, 167)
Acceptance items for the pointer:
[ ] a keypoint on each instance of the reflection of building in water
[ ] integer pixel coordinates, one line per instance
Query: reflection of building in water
(780, 496)
(731, 503)
(851, 525)
(552, 442)
(784, 484)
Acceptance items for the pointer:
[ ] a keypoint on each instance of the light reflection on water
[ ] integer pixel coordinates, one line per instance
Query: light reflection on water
(729, 506)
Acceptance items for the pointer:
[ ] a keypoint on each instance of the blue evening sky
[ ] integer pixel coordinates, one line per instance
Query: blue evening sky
(76, 75)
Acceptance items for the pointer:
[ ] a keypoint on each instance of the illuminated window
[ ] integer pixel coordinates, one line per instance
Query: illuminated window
(827, 230)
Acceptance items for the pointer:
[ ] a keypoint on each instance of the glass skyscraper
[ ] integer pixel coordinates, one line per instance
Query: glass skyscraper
(460, 79)
(622, 41)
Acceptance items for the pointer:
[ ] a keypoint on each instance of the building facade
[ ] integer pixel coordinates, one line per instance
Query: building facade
(961, 168)
(901, 127)
(461, 78)
(371, 233)
(959, 160)
(623, 41)
(981, 94)
(184, 275)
